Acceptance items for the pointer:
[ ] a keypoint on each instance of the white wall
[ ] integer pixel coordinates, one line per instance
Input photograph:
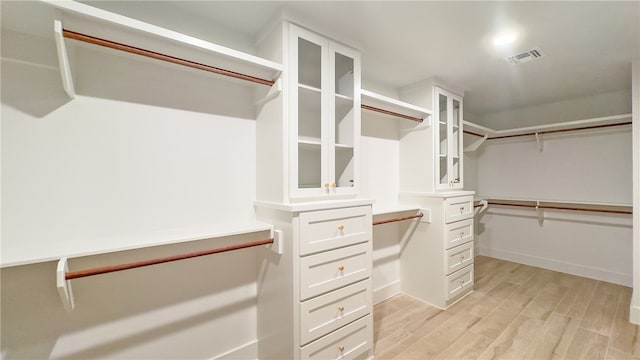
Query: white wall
(145, 147)
(591, 166)
(634, 312)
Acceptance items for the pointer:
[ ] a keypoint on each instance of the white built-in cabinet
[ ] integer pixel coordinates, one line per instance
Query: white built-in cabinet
(324, 115)
(448, 139)
(436, 264)
(315, 300)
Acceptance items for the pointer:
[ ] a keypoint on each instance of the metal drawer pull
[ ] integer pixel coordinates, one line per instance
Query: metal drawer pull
(341, 348)
(341, 268)
(333, 185)
(461, 233)
(341, 227)
(461, 209)
(341, 309)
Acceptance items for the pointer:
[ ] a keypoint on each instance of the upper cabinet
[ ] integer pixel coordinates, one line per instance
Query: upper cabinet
(324, 115)
(448, 139)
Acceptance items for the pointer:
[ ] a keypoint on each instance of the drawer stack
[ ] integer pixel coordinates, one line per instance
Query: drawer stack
(458, 246)
(335, 294)
(436, 265)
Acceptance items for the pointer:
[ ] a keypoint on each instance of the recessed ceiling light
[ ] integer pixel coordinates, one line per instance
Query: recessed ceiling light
(505, 38)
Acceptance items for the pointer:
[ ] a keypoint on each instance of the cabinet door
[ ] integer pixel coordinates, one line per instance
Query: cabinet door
(308, 64)
(448, 133)
(344, 125)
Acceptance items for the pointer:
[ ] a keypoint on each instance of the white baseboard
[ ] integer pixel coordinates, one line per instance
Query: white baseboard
(385, 292)
(246, 351)
(556, 265)
(634, 311)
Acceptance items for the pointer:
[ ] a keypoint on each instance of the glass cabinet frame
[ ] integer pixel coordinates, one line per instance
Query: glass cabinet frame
(448, 129)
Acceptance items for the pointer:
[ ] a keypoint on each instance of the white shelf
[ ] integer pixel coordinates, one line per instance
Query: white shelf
(600, 121)
(80, 247)
(386, 103)
(309, 88)
(344, 147)
(37, 18)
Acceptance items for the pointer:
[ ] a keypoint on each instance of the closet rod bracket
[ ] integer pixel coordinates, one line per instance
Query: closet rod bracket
(539, 141)
(64, 286)
(278, 242)
(274, 91)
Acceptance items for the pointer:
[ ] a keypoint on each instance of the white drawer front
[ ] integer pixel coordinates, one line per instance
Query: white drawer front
(328, 312)
(330, 229)
(459, 282)
(330, 270)
(458, 233)
(348, 342)
(458, 208)
(458, 257)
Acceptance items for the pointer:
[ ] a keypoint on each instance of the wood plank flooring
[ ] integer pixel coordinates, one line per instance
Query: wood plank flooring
(515, 312)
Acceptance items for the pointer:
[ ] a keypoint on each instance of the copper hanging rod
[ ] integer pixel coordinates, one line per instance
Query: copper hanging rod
(472, 133)
(559, 131)
(602, 210)
(398, 219)
(114, 268)
(387, 112)
(158, 56)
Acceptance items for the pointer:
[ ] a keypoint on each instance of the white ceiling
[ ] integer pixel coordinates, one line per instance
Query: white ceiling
(588, 45)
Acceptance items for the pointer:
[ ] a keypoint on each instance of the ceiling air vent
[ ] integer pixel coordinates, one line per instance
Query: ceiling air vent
(525, 56)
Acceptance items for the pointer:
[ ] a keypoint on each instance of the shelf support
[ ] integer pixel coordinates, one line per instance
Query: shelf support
(481, 207)
(539, 141)
(476, 144)
(63, 60)
(64, 286)
(274, 92)
(540, 213)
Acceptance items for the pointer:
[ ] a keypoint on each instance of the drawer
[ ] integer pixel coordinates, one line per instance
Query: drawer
(330, 229)
(326, 313)
(458, 257)
(347, 342)
(458, 233)
(321, 273)
(458, 208)
(459, 282)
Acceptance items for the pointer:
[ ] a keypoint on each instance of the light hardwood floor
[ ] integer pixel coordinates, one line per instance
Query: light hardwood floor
(515, 312)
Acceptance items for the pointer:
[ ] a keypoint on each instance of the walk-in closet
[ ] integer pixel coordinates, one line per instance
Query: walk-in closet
(320, 180)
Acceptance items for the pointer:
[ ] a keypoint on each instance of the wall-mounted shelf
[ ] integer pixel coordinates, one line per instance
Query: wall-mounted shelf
(392, 107)
(84, 23)
(71, 249)
(485, 133)
(609, 208)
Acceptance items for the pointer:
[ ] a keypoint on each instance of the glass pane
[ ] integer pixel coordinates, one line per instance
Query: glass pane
(309, 114)
(443, 136)
(455, 144)
(344, 75)
(309, 63)
(344, 121)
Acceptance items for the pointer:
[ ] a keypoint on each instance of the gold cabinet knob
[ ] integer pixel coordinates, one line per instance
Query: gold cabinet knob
(326, 186)
(341, 268)
(341, 348)
(461, 233)
(461, 281)
(341, 309)
(333, 185)
(341, 227)
(461, 257)
(461, 209)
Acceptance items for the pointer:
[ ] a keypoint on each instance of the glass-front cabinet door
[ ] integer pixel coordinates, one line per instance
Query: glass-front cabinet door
(324, 115)
(448, 132)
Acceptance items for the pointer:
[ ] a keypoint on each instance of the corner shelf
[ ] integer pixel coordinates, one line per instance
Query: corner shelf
(486, 133)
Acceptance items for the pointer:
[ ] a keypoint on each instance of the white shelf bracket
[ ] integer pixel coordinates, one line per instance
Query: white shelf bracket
(63, 60)
(273, 93)
(64, 286)
(539, 141)
(278, 242)
(476, 144)
(540, 213)
(485, 206)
